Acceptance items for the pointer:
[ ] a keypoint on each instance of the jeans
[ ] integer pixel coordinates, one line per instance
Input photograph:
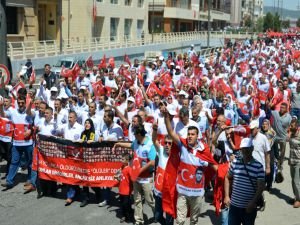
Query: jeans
(238, 216)
(158, 213)
(17, 152)
(224, 216)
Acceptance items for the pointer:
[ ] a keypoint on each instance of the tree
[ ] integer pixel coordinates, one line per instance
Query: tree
(277, 22)
(260, 24)
(268, 22)
(248, 22)
(298, 22)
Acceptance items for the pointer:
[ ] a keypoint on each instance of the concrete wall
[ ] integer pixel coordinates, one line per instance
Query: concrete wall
(134, 52)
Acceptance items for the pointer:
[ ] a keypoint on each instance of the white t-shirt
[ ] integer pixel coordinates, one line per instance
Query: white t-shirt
(261, 147)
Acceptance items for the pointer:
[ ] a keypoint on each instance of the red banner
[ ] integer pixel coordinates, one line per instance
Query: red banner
(77, 163)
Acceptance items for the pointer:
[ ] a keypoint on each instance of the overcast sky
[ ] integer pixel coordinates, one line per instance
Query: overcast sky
(288, 4)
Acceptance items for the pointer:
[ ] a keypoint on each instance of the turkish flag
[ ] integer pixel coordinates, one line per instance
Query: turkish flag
(169, 192)
(18, 86)
(240, 132)
(102, 63)
(167, 79)
(75, 71)
(98, 88)
(139, 98)
(111, 62)
(127, 60)
(89, 62)
(152, 90)
(32, 76)
(65, 72)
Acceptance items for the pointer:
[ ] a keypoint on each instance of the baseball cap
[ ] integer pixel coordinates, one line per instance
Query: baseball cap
(54, 89)
(161, 58)
(171, 109)
(177, 67)
(254, 124)
(246, 143)
(183, 93)
(131, 99)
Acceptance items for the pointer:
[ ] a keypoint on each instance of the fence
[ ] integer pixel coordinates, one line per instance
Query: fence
(38, 49)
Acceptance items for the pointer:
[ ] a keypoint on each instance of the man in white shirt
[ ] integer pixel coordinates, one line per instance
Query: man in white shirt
(81, 80)
(184, 122)
(110, 131)
(71, 131)
(261, 144)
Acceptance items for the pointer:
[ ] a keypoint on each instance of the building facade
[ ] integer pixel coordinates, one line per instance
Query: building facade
(37, 20)
(251, 9)
(186, 15)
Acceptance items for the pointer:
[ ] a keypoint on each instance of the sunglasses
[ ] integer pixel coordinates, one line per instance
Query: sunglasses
(168, 142)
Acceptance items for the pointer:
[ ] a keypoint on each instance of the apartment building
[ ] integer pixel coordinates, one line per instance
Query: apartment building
(252, 9)
(186, 15)
(33, 20)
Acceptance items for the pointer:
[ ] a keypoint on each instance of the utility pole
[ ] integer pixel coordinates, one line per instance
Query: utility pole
(208, 22)
(3, 33)
(152, 21)
(60, 26)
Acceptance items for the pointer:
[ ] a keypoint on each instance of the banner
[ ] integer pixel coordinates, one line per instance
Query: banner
(78, 163)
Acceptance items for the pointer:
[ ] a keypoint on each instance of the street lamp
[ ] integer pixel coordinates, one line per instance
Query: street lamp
(208, 22)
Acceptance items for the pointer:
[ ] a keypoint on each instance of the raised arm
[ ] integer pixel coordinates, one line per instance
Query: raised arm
(171, 132)
(154, 136)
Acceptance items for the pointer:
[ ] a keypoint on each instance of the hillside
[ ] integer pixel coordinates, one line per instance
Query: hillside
(285, 12)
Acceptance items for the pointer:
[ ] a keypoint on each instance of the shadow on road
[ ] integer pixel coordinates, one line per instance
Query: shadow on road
(280, 195)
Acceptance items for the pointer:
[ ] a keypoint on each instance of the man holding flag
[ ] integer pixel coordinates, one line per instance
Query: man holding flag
(194, 156)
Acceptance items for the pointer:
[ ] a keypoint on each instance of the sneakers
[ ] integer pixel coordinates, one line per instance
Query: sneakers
(102, 204)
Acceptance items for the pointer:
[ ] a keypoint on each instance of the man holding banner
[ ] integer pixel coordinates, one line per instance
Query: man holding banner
(142, 170)
(71, 131)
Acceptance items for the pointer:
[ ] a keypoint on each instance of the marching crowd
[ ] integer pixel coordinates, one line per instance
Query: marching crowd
(193, 123)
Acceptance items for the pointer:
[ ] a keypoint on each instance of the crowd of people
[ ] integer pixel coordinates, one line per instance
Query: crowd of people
(227, 119)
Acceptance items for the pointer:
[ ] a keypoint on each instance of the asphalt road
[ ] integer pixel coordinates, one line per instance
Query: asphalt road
(19, 209)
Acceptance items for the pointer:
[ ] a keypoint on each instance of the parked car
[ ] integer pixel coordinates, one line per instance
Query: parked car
(67, 62)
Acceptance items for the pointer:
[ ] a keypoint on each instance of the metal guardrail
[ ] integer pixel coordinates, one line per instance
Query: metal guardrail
(38, 49)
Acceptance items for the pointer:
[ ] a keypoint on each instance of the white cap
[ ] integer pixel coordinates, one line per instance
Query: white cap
(246, 143)
(83, 87)
(171, 109)
(177, 67)
(63, 95)
(201, 65)
(192, 45)
(54, 89)
(172, 64)
(254, 124)
(131, 99)
(126, 65)
(161, 58)
(186, 95)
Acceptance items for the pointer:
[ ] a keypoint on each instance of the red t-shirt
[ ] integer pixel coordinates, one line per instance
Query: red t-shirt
(125, 186)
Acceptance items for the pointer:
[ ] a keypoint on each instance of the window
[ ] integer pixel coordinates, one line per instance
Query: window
(139, 29)
(128, 2)
(127, 28)
(12, 20)
(114, 23)
(141, 3)
(99, 0)
(114, 1)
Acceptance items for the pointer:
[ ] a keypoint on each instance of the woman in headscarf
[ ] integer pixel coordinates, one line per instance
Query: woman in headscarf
(268, 131)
